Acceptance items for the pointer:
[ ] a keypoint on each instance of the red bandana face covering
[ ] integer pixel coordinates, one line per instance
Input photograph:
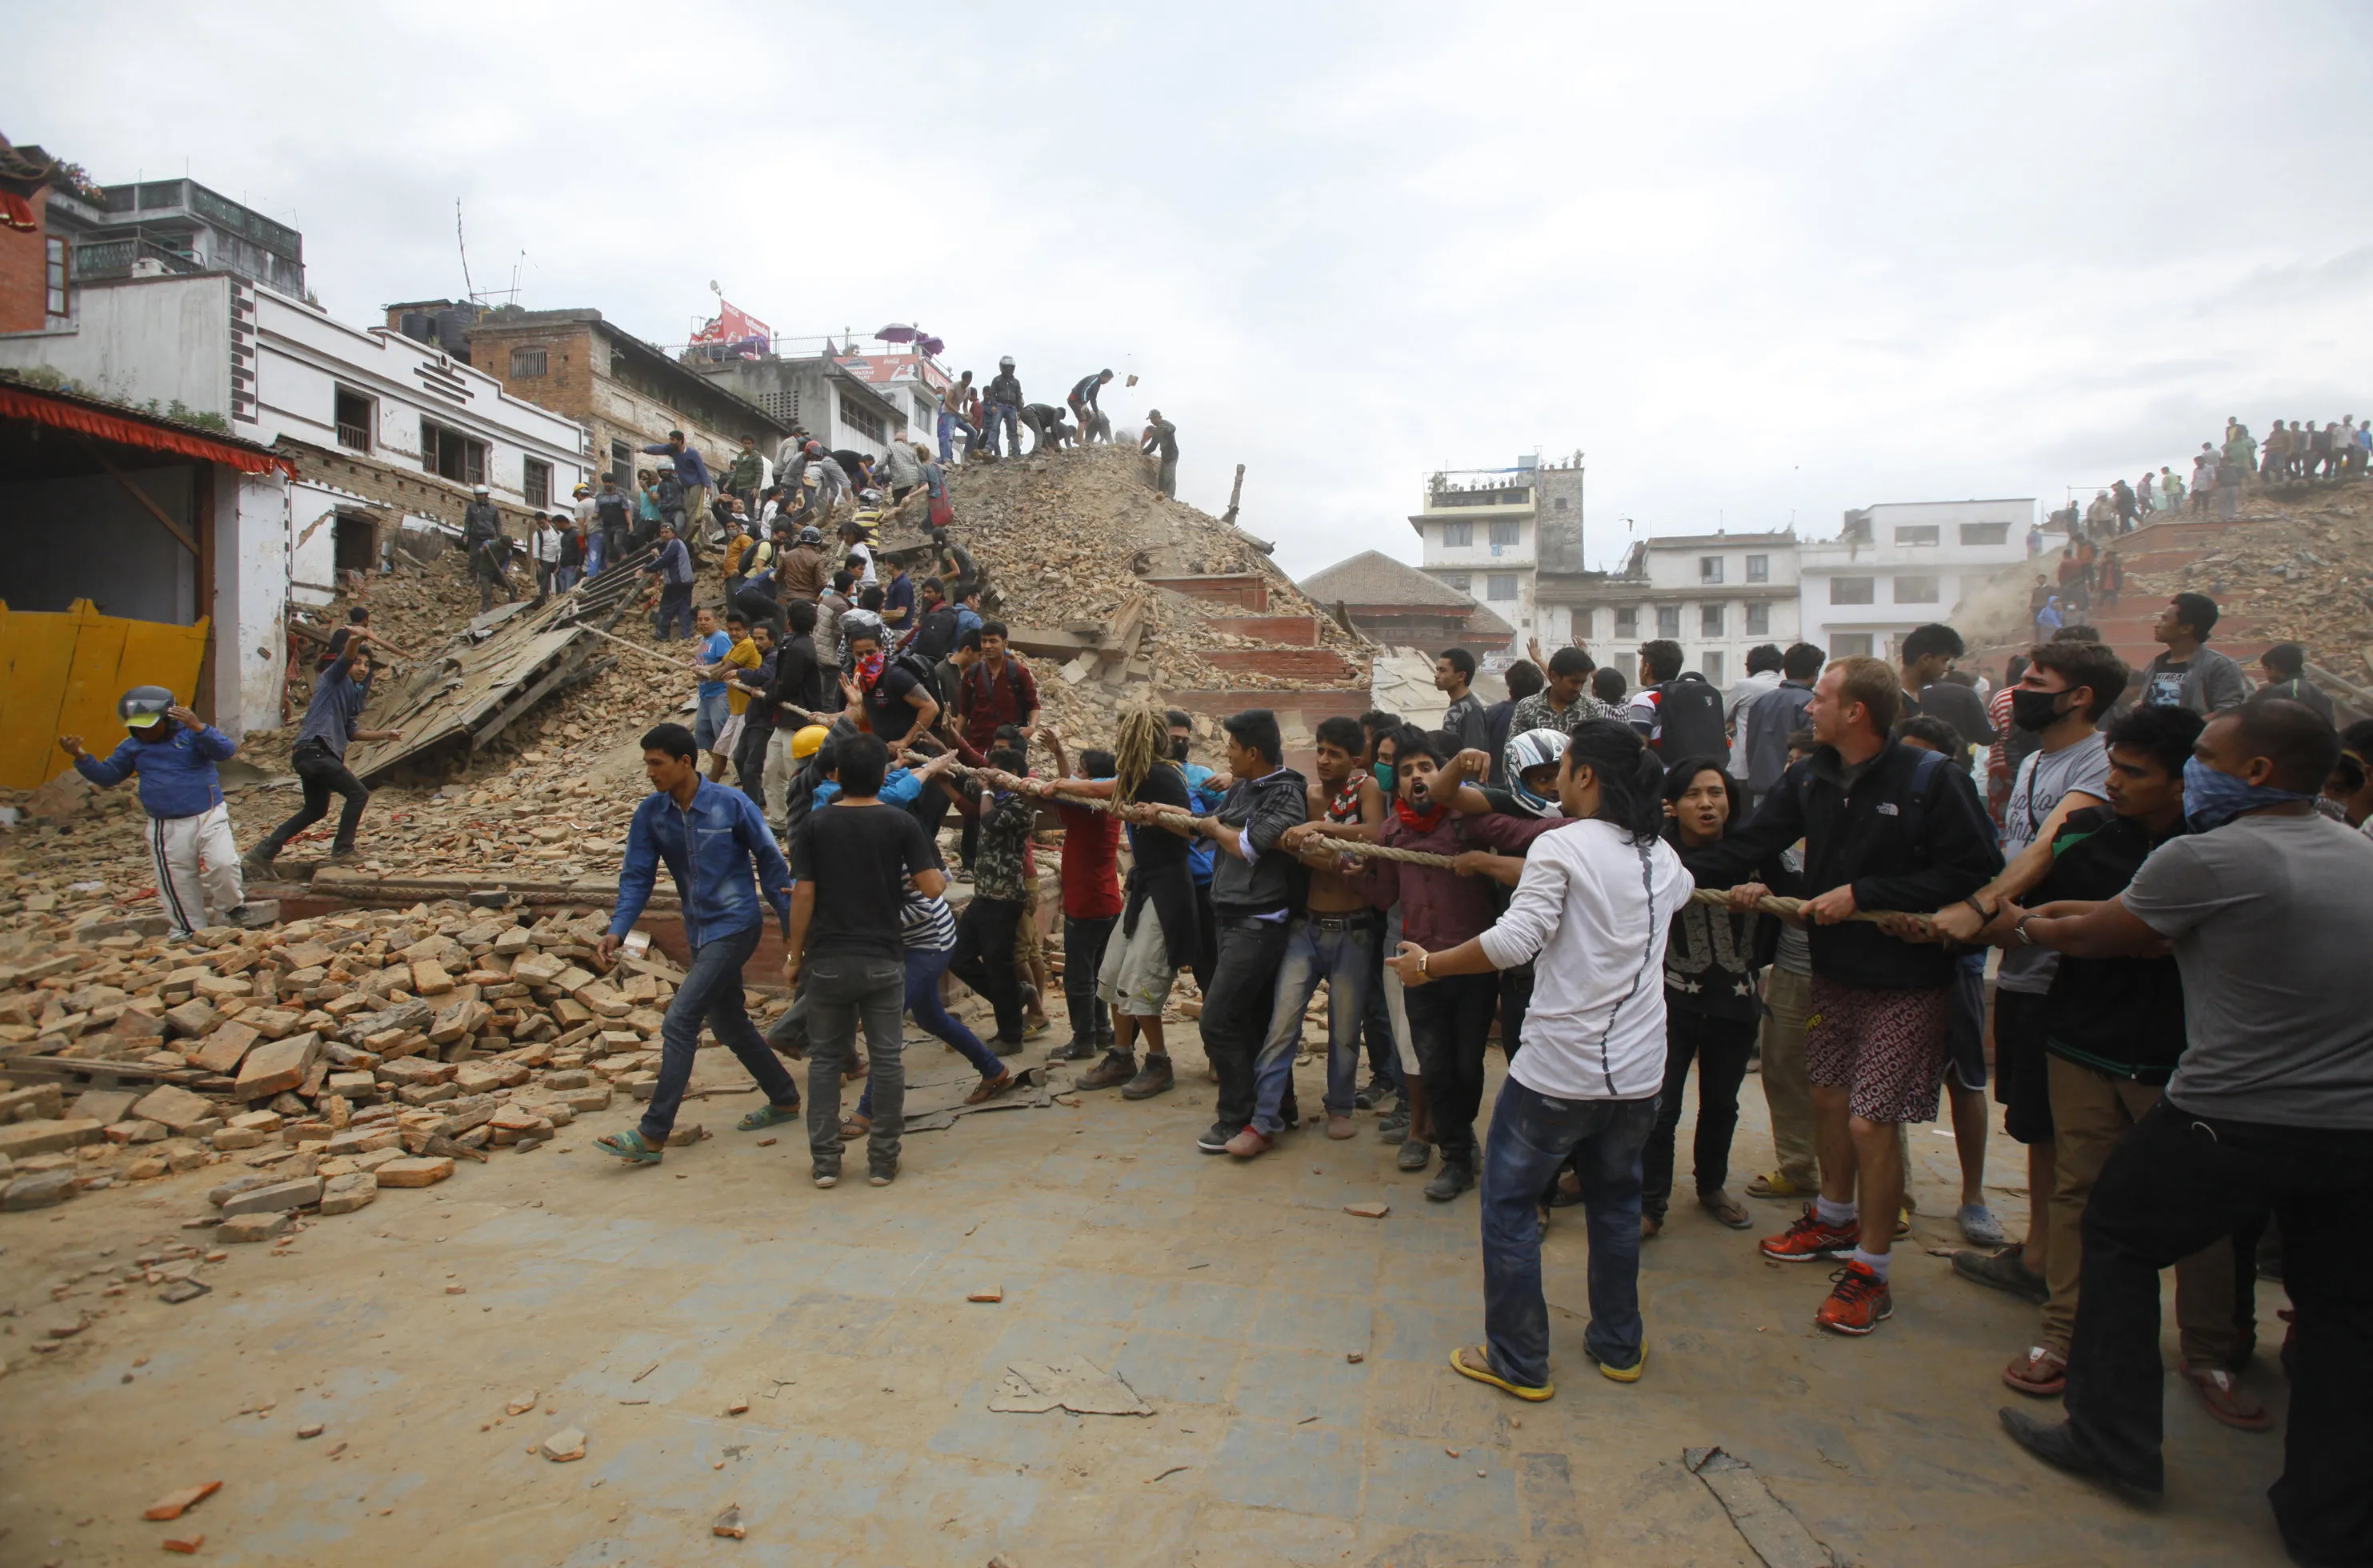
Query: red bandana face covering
(869, 670)
(1425, 820)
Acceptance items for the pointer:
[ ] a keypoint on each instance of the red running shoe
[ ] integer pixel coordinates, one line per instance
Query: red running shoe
(1858, 1305)
(1811, 1237)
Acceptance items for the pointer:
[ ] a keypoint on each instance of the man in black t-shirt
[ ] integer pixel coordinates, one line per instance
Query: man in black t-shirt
(851, 865)
(898, 707)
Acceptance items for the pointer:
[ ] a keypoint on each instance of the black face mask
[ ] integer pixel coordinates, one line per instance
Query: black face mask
(2034, 710)
(1178, 749)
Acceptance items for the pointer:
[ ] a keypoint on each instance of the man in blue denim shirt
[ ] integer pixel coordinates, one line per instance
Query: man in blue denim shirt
(711, 838)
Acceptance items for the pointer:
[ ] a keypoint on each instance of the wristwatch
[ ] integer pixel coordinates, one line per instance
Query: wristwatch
(1425, 964)
(2021, 930)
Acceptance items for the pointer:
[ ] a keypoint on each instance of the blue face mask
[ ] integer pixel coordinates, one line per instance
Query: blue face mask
(2212, 799)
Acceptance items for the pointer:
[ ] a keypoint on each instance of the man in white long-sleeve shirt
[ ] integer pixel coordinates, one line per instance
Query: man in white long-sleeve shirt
(1593, 908)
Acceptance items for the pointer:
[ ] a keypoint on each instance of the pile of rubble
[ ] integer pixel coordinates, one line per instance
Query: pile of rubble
(2299, 568)
(328, 1057)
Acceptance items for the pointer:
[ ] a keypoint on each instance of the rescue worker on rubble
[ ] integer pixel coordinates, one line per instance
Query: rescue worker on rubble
(1005, 411)
(174, 752)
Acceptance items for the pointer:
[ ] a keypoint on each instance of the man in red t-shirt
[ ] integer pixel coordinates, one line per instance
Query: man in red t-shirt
(997, 690)
(1092, 902)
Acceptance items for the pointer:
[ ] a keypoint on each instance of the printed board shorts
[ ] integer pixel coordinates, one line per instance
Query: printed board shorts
(1887, 1049)
(1136, 975)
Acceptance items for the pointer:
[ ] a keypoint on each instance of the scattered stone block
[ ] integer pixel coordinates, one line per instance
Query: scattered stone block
(175, 1106)
(567, 1444)
(41, 1189)
(252, 1227)
(173, 1505)
(102, 1105)
(415, 1171)
(192, 1018)
(274, 1198)
(224, 1049)
(230, 1139)
(277, 1066)
(48, 1136)
(344, 1194)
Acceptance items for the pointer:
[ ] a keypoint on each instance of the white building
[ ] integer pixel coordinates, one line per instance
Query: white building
(1490, 533)
(1717, 594)
(1900, 564)
(385, 432)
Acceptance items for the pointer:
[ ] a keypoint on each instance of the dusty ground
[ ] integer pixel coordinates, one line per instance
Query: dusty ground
(638, 1303)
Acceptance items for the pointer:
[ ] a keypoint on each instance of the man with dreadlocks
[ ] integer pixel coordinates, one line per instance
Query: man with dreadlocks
(1157, 935)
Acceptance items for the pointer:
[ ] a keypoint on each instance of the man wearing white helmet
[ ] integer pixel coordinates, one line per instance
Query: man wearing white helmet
(174, 752)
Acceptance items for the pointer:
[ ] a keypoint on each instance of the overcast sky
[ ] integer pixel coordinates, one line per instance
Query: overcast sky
(1761, 263)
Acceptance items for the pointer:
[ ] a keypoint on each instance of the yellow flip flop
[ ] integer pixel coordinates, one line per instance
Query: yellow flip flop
(1479, 1369)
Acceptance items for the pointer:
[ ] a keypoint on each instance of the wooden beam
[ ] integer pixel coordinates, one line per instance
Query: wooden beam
(137, 494)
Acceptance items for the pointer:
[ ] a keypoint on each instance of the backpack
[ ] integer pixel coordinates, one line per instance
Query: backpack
(1689, 723)
(985, 691)
(935, 633)
(926, 672)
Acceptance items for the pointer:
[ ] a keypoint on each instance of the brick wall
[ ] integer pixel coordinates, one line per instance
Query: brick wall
(24, 272)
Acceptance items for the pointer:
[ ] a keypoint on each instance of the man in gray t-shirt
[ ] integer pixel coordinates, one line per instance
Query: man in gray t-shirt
(2272, 927)
(2270, 1108)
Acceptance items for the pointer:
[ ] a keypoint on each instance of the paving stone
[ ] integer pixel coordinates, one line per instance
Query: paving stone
(175, 1106)
(344, 1194)
(567, 1444)
(222, 1050)
(47, 1135)
(40, 1190)
(410, 1172)
(277, 1066)
(103, 1104)
(252, 1227)
(274, 1198)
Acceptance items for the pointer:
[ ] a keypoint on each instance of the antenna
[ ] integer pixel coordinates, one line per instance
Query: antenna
(469, 289)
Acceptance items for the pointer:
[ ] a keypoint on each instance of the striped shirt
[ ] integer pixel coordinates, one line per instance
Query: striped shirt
(927, 925)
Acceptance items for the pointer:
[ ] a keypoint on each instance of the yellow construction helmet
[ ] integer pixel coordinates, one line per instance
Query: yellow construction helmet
(806, 743)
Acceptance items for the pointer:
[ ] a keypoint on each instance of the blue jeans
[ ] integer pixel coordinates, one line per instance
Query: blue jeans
(709, 722)
(596, 553)
(1339, 950)
(841, 990)
(712, 990)
(923, 972)
(1531, 1136)
(950, 423)
(1009, 417)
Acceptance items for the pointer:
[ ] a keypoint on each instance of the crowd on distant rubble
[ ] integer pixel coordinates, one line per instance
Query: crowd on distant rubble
(1618, 884)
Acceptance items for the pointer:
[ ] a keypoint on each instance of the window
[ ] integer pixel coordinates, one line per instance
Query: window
(1853, 590)
(1461, 582)
(1557, 505)
(1845, 645)
(868, 426)
(449, 454)
(783, 406)
(527, 363)
(1457, 535)
(1915, 591)
(1627, 622)
(1709, 568)
(1758, 568)
(535, 482)
(1710, 666)
(1985, 533)
(1668, 620)
(352, 411)
(1759, 620)
(622, 463)
(1504, 533)
(1710, 620)
(1500, 585)
(55, 300)
(1916, 534)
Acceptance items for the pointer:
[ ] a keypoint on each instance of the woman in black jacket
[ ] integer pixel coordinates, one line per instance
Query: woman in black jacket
(1711, 1011)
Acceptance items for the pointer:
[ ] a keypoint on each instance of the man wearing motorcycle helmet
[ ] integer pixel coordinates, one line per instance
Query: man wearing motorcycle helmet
(174, 753)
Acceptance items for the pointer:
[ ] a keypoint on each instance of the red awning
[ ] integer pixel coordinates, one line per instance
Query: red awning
(132, 430)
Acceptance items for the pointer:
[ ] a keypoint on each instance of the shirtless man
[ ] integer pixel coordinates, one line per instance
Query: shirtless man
(1332, 939)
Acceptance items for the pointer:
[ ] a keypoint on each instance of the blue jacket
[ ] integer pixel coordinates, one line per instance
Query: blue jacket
(899, 788)
(691, 468)
(177, 777)
(710, 851)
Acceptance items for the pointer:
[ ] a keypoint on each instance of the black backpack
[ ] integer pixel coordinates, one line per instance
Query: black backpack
(935, 634)
(1689, 723)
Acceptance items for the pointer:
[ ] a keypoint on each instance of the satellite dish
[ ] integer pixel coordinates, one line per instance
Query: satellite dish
(714, 289)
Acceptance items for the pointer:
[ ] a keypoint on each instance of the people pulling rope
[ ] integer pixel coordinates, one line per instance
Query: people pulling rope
(1157, 816)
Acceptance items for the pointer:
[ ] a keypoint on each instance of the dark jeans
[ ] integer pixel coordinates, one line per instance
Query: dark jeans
(321, 775)
(749, 762)
(675, 607)
(1376, 1027)
(1449, 1020)
(923, 972)
(1721, 1047)
(712, 990)
(984, 958)
(968, 840)
(1337, 951)
(841, 990)
(1083, 955)
(2176, 1183)
(1003, 417)
(1531, 1136)
(1236, 1007)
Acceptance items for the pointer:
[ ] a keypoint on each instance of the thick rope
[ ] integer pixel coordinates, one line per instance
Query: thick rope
(1712, 897)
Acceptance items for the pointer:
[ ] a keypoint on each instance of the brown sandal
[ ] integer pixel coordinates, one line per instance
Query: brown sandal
(1649, 1228)
(990, 1088)
(1726, 1209)
(2041, 1372)
(2226, 1400)
(854, 1127)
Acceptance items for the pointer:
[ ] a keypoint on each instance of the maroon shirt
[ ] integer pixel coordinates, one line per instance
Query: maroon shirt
(991, 697)
(1440, 908)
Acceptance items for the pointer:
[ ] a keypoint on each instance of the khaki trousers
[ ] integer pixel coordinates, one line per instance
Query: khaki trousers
(2090, 1111)
(1788, 998)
